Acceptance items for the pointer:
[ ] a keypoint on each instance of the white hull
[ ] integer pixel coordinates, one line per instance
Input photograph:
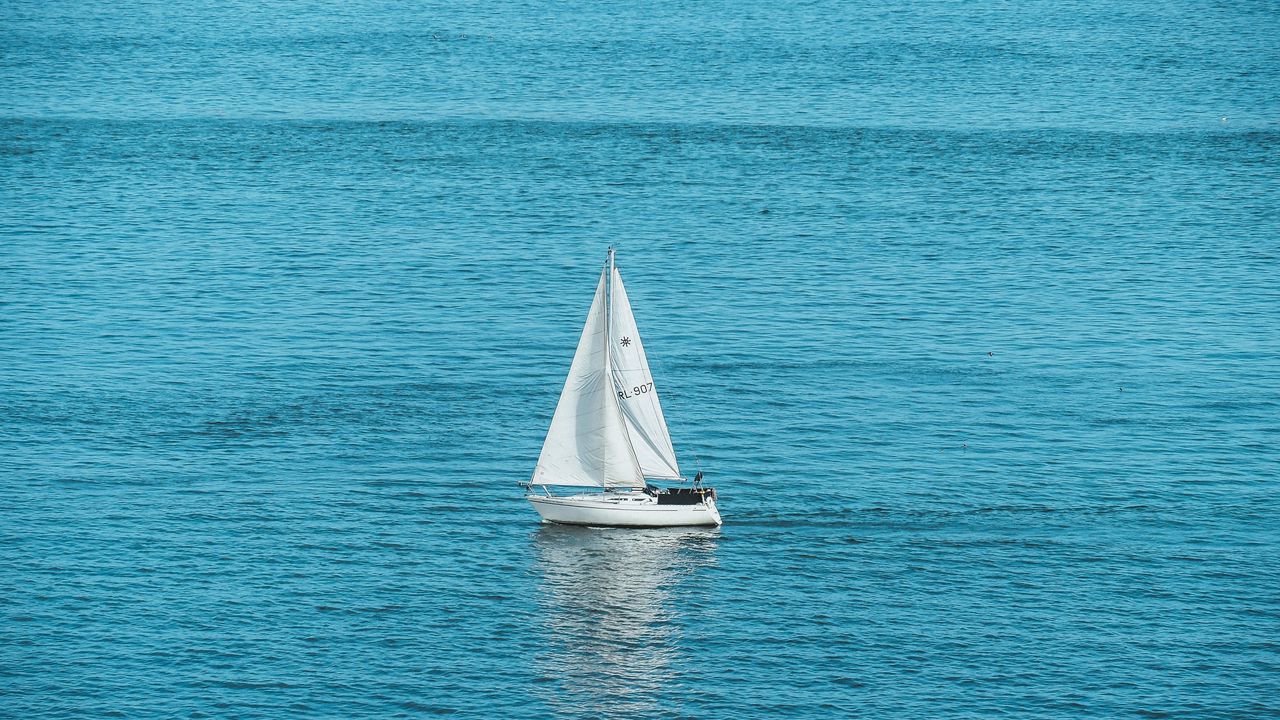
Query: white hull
(622, 509)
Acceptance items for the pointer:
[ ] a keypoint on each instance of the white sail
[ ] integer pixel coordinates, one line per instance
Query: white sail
(587, 442)
(637, 395)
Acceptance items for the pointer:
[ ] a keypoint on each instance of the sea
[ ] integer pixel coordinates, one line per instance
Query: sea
(969, 311)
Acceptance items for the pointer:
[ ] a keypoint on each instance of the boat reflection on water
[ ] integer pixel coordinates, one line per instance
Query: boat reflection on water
(615, 604)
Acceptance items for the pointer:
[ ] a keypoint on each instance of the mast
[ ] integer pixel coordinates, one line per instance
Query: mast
(608, 308)
(608, 329)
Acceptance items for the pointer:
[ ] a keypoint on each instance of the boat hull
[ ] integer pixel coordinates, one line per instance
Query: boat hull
(622, 510)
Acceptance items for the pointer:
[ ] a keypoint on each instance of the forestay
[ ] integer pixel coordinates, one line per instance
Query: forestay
(587, 443)
(636, 393)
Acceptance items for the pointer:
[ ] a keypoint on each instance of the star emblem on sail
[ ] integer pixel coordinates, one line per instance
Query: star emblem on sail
(625, 341)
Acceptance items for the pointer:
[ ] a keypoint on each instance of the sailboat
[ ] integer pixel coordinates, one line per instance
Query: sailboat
(608, 433)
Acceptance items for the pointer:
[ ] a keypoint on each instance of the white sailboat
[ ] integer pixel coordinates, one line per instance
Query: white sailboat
(608, 433)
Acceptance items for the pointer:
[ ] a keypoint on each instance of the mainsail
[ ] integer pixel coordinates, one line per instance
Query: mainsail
(636, 393)
(587, 443)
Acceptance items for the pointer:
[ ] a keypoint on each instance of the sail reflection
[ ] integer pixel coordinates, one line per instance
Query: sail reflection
(615, 603)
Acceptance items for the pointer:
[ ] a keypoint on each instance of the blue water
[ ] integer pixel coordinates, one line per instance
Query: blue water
(968, 310)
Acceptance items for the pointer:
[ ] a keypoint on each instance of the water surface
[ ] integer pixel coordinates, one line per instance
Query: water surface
(967, 310)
